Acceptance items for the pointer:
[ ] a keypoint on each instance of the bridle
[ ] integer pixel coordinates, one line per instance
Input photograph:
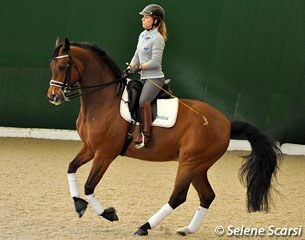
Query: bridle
(68, 90)
(65, 85)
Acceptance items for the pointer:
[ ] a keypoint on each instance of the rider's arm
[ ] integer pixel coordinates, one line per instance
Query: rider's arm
(157, 53)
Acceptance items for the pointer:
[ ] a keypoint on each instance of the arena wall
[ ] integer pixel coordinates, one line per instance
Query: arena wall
(245, 58)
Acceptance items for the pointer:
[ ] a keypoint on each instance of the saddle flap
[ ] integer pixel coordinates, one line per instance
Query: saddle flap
(166, 110)
(134, 89)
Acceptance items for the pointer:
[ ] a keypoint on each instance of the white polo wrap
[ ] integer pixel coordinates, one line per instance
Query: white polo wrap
(73, 185)
(160, 215)
(197, 219)
(96, 206)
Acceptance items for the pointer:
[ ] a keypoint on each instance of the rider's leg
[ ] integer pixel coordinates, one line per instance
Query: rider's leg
(148, 94)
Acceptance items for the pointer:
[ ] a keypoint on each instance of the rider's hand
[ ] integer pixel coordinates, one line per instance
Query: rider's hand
(133, 70)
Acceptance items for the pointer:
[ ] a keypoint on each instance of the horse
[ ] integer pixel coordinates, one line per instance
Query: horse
(194, 143)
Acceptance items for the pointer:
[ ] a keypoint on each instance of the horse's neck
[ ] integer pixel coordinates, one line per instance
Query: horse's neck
(96, 100)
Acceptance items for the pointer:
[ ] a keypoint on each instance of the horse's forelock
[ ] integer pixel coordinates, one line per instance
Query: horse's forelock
(56, 51)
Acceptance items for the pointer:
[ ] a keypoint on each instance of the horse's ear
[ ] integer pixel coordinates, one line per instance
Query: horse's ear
(67, 44)
(58, 42)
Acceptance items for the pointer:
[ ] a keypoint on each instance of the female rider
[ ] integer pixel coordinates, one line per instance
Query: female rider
(148, 59)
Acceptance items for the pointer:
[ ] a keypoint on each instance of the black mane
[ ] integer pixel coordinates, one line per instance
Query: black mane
(98, 51)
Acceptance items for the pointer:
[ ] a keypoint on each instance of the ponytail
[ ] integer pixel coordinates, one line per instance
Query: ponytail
(162, 30)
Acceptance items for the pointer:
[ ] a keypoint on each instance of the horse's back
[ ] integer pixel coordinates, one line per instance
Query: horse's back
(189, 137)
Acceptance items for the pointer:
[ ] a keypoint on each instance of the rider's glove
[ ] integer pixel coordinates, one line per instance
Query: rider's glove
(134, 70)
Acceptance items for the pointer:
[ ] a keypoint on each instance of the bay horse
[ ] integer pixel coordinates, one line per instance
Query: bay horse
(195, 145)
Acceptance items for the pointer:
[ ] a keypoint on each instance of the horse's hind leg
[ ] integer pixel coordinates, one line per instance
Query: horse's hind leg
(84, 156)
(182, 183)
(206, 195)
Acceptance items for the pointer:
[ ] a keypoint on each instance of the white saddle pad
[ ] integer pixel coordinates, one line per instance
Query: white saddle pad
(167, 110)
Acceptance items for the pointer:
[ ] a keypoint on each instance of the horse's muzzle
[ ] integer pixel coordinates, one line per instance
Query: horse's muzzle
(55, 96)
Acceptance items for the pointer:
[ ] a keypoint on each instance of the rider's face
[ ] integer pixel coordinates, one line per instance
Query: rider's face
(147, 21)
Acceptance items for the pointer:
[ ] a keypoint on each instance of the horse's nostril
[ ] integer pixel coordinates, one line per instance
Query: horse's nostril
(51, 96)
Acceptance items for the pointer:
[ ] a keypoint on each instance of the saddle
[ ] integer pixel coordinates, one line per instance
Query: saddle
(134, 89)
(133, 92)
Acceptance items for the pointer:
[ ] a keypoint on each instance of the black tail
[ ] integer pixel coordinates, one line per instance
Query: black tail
(260, 165)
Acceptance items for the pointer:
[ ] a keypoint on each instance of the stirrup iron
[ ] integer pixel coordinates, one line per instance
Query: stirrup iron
(141, 145)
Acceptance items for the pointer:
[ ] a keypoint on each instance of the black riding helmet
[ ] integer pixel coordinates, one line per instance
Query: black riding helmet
(156, 11)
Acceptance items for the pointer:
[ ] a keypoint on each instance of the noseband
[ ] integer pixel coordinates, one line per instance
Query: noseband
(68, 90)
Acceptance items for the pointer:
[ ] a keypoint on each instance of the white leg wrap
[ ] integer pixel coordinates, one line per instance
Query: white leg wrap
(73, 185)
(197, 219)
(160, 215)
(96, 206)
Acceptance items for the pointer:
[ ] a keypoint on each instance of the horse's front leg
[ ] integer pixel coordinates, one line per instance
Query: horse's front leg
(84, 156)
(99, 167)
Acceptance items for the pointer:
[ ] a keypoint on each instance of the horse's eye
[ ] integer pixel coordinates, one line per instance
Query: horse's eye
(61, 68)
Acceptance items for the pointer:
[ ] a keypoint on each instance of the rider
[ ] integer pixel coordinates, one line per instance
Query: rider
(148, 59)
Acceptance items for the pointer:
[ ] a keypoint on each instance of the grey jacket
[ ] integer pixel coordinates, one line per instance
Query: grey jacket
(150, 51)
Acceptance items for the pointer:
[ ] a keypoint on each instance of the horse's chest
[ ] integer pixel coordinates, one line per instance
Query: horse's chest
(85, 126)
(88, 128)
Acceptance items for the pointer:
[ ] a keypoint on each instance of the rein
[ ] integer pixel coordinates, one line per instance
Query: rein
(68, 91)
(66, 88)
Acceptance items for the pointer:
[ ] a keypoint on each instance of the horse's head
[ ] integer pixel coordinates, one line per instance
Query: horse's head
(65, 72)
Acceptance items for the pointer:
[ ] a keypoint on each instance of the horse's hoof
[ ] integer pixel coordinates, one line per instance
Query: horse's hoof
(80, 206)
(183, 231)
(141, 232)
(110, 214)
